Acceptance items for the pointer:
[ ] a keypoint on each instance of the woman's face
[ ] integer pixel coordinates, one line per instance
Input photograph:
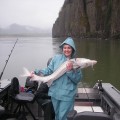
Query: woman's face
(67, 50)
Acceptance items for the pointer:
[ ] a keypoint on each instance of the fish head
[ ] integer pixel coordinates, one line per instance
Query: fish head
(84, 63)
(93, 62)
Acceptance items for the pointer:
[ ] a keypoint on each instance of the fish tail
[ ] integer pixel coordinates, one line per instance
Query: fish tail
(26, 72)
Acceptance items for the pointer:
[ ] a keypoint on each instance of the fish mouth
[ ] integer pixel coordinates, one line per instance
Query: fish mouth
(94, 61)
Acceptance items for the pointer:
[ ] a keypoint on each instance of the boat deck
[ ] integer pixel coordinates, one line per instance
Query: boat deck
(87, 99)
(88, 95)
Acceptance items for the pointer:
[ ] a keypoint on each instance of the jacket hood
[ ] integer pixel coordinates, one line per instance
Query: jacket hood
(69, 41)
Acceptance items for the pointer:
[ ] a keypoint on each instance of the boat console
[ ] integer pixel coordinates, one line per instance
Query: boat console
(110, 100)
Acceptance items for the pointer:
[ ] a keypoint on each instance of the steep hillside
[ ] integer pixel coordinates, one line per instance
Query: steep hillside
(88, 18)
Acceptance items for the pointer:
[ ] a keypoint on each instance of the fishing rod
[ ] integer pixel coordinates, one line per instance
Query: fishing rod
(8, 59)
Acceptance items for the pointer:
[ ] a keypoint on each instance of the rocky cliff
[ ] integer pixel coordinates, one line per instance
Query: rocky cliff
(88, 18)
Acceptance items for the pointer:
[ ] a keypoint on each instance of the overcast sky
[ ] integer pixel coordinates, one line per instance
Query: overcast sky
(38, 13)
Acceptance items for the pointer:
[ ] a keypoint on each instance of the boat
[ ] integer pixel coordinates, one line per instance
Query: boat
(101, 99)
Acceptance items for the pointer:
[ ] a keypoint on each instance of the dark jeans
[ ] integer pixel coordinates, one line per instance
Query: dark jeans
(47, 107)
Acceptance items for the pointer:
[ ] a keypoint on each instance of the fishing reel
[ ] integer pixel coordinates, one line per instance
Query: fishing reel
(100, 85)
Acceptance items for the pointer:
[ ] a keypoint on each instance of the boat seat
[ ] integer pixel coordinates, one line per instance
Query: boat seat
(22, 99)
(73, 115)
(31, 86)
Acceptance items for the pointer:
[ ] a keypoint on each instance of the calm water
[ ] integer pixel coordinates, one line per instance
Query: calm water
(33, 52)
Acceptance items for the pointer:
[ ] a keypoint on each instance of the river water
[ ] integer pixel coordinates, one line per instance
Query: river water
(34, 52)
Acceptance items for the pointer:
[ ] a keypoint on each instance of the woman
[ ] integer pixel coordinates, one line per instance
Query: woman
(63, 90)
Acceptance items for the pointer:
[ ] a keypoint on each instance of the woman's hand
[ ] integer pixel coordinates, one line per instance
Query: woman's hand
(69, 66)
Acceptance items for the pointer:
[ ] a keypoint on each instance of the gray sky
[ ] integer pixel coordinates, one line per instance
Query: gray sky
(38, 13)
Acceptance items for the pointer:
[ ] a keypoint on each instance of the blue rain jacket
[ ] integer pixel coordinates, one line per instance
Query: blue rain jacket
(65, 87)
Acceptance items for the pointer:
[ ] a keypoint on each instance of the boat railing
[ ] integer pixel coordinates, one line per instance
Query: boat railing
(107, 105)
(110, 99)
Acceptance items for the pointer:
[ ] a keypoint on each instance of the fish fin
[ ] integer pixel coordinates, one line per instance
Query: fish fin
(49, 83)
(92, 66)
(26, 72)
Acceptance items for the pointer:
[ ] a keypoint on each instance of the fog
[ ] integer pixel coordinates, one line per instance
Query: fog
(37, 13)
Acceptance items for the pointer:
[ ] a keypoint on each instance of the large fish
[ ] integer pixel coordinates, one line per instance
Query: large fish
(77, 63)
